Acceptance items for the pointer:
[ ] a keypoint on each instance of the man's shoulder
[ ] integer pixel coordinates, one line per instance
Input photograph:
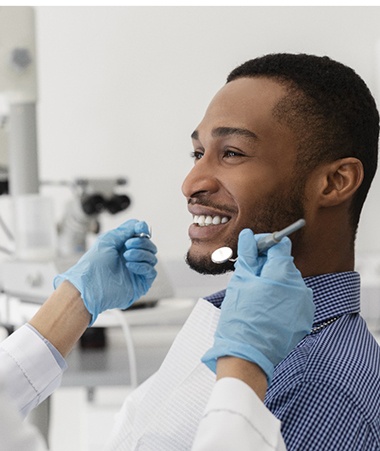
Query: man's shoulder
(348, 343)
(326, 391)
(344, 358)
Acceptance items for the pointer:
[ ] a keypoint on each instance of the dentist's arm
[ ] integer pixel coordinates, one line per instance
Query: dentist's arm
(248, 372)
(267, 310)
(115, 272)
(63, 318)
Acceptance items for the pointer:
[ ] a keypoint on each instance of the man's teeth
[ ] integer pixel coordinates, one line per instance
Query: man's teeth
(203, 220)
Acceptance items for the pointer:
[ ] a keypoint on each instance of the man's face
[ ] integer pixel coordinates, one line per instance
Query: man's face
(244, 171)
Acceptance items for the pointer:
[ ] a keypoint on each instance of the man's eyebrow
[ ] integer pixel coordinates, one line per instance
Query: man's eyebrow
(226, 131)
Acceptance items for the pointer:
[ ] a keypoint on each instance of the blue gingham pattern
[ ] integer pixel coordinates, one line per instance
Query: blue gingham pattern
(216, 298)
(326, 392)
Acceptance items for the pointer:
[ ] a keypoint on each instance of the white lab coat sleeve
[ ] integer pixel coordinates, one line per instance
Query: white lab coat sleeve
(16, 434)
(28, 368)
(235, 418)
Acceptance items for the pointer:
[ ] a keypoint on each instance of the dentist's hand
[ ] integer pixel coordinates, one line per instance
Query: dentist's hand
(116, 271)
(267, 309)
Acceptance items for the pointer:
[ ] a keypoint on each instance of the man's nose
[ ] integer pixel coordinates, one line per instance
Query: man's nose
(200, 180)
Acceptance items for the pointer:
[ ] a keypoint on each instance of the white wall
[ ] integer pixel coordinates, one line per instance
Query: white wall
(122, 88)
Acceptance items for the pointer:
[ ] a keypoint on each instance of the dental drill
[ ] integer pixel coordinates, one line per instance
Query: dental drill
(224, 254)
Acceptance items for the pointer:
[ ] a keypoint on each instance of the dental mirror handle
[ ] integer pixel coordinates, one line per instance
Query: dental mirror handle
(266, 242)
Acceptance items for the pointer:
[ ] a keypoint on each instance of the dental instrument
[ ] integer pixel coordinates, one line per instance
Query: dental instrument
(143, 235)
(224, 254)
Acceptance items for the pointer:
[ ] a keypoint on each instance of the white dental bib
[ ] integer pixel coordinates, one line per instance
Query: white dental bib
(164, 412)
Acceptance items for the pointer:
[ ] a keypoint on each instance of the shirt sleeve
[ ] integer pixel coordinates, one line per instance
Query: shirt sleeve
(28, 368)
(234, 414)
(57, 355)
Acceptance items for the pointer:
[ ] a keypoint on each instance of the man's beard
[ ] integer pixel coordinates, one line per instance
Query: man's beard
(276, 213)
(204, 265)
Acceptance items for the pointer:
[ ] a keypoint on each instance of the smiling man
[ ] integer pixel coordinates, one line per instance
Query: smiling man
(289, 137)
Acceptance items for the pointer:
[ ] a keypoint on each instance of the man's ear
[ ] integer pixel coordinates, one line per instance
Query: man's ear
(340, 180)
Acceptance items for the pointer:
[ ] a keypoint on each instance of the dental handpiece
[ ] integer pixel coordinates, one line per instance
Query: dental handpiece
(224, 254)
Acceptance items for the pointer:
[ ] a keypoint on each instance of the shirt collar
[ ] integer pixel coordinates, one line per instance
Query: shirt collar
(334, 294)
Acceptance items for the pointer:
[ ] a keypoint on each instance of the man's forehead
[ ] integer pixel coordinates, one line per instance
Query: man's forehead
(251, 88)
(240, 106)
(246, 96)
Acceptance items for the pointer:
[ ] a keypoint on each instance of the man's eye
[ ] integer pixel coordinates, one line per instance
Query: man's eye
(196, 154)
(232, 153)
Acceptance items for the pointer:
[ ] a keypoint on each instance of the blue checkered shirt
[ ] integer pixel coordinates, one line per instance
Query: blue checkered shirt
(326, 392)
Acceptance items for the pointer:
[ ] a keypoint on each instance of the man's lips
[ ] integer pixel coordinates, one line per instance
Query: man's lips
(208, 219)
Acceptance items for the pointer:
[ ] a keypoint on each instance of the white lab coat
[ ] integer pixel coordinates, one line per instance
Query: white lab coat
(28, 374)
(28, 368)
(233, 414)
(16, 434)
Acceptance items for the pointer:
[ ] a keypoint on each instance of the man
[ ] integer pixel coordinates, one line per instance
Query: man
(293, 136)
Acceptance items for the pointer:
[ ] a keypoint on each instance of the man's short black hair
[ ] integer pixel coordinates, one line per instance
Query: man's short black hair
(329, 107)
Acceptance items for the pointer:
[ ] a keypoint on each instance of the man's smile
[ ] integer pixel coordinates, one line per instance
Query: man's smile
(205, 217)
(203, 220)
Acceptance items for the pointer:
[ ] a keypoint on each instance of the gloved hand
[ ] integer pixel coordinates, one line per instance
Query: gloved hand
(116, 271)
(267, 308)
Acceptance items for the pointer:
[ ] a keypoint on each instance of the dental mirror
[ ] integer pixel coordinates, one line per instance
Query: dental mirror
(222, 255)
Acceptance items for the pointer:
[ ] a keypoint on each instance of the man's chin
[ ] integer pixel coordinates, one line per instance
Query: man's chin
(204, 265)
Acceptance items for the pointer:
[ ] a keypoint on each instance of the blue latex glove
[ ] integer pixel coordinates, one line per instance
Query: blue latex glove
(116, 271)
(267, 309)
